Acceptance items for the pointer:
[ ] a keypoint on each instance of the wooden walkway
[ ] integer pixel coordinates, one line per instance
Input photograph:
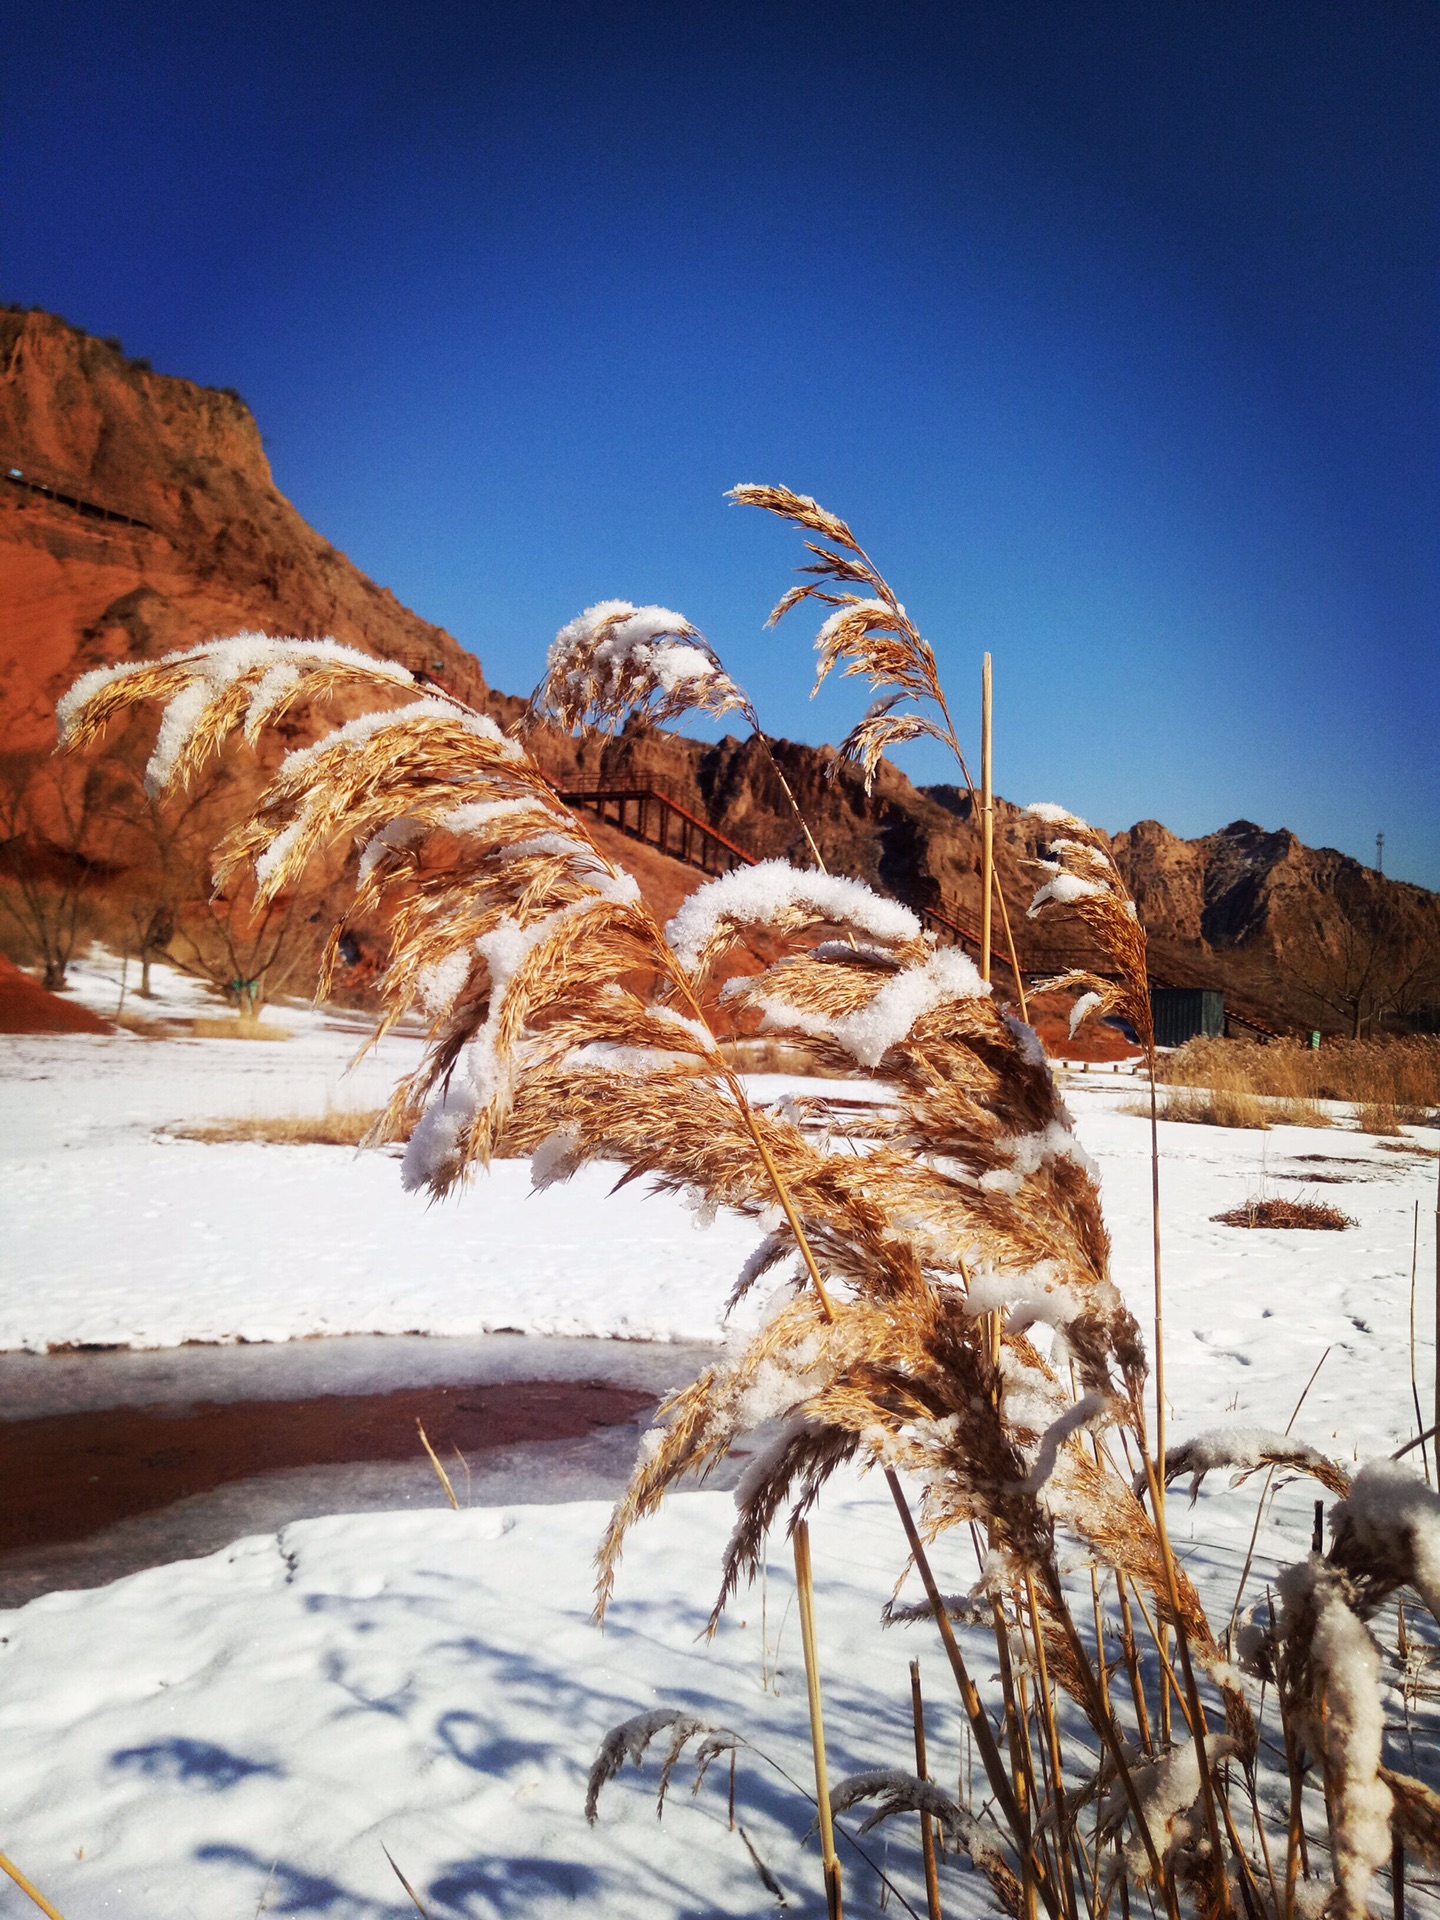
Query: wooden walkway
(31, 483)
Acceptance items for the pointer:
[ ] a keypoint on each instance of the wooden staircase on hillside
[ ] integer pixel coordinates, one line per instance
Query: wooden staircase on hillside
(656, 818)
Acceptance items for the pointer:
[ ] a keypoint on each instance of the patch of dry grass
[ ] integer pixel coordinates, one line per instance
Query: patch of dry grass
(237, 1029)
(1285, 1213)
(1403, 1073)
(763, 1055)
(1231, 1106)
(1378, 1117)
(336, 1127)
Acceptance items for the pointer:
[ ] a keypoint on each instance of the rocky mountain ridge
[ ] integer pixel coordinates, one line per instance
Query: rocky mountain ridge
(138, 514)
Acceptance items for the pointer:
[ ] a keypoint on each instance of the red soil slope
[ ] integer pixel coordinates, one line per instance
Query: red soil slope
(25, 1007)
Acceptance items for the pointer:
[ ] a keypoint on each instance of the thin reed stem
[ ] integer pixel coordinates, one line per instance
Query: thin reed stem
(987, 817)
(922, 1772)
(805, 1592)
(33, 1893)
(795, 806)
(1104, 1725)
(1414, 1381)
(1000, 1784)
(1132, 1666)
(1260, 1509)
(1198, 1727)
(1045, 1704)
(435, 1462)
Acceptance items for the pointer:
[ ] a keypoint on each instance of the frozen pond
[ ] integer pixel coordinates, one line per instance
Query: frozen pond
(114, 1461)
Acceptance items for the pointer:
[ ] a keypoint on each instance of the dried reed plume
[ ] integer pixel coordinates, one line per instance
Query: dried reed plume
(617, 662)
(1084, 878)
(873, 636)
(940, 1302)
(868, 634)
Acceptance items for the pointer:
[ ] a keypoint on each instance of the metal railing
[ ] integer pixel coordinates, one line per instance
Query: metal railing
(656, 818)
(32, 483)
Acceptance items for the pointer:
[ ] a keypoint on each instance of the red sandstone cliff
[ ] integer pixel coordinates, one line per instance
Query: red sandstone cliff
(206, 544)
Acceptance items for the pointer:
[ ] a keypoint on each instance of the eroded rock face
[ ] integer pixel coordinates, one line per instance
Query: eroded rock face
(207, 544)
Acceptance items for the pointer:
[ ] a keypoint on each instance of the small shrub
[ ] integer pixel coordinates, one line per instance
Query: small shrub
(1285, 1213)
(1378, 1117)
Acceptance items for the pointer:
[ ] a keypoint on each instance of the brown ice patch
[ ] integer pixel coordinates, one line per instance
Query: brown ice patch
(65, 1476)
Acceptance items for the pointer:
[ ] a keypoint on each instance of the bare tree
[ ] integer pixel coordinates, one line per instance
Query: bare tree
(1372, 961)
(166, 842)
(49, 855)
(250, 954)
(172, 911)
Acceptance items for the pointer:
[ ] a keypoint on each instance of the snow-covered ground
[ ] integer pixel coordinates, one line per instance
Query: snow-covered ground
(244, 1732)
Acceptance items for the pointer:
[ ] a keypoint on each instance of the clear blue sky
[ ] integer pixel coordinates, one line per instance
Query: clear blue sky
(1111, 328)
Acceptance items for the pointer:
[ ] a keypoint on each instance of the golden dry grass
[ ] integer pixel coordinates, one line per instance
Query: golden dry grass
(336, 1127)
(1231, 1106)
(763, 1055)
(1403, 1073)
(237, 1029)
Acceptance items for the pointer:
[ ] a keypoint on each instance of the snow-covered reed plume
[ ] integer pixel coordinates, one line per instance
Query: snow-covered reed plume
(617, 662)
(941, 1304)
(867, 633)
(1084, 878)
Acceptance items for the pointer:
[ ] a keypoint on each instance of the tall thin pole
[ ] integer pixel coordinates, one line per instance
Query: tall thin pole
(922, 1772)
(1437, 1323)
(805, 1593)
(987, 817)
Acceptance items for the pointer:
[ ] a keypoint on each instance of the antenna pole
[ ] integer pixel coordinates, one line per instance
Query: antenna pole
(987, 816)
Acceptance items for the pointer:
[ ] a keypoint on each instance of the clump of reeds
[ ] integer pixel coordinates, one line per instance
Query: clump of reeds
(1232, 1106)
(1399, 1073)
(1279, 1212)
(940, 1301)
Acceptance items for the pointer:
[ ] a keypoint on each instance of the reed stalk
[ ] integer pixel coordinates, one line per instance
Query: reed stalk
(987, 816)
(1130, 1651)
(1000, 1782)
(441, 1474)
(805, 1594)
(1045, 1703)
(922, 1772)
(1414, 1377)
(31, 1892)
